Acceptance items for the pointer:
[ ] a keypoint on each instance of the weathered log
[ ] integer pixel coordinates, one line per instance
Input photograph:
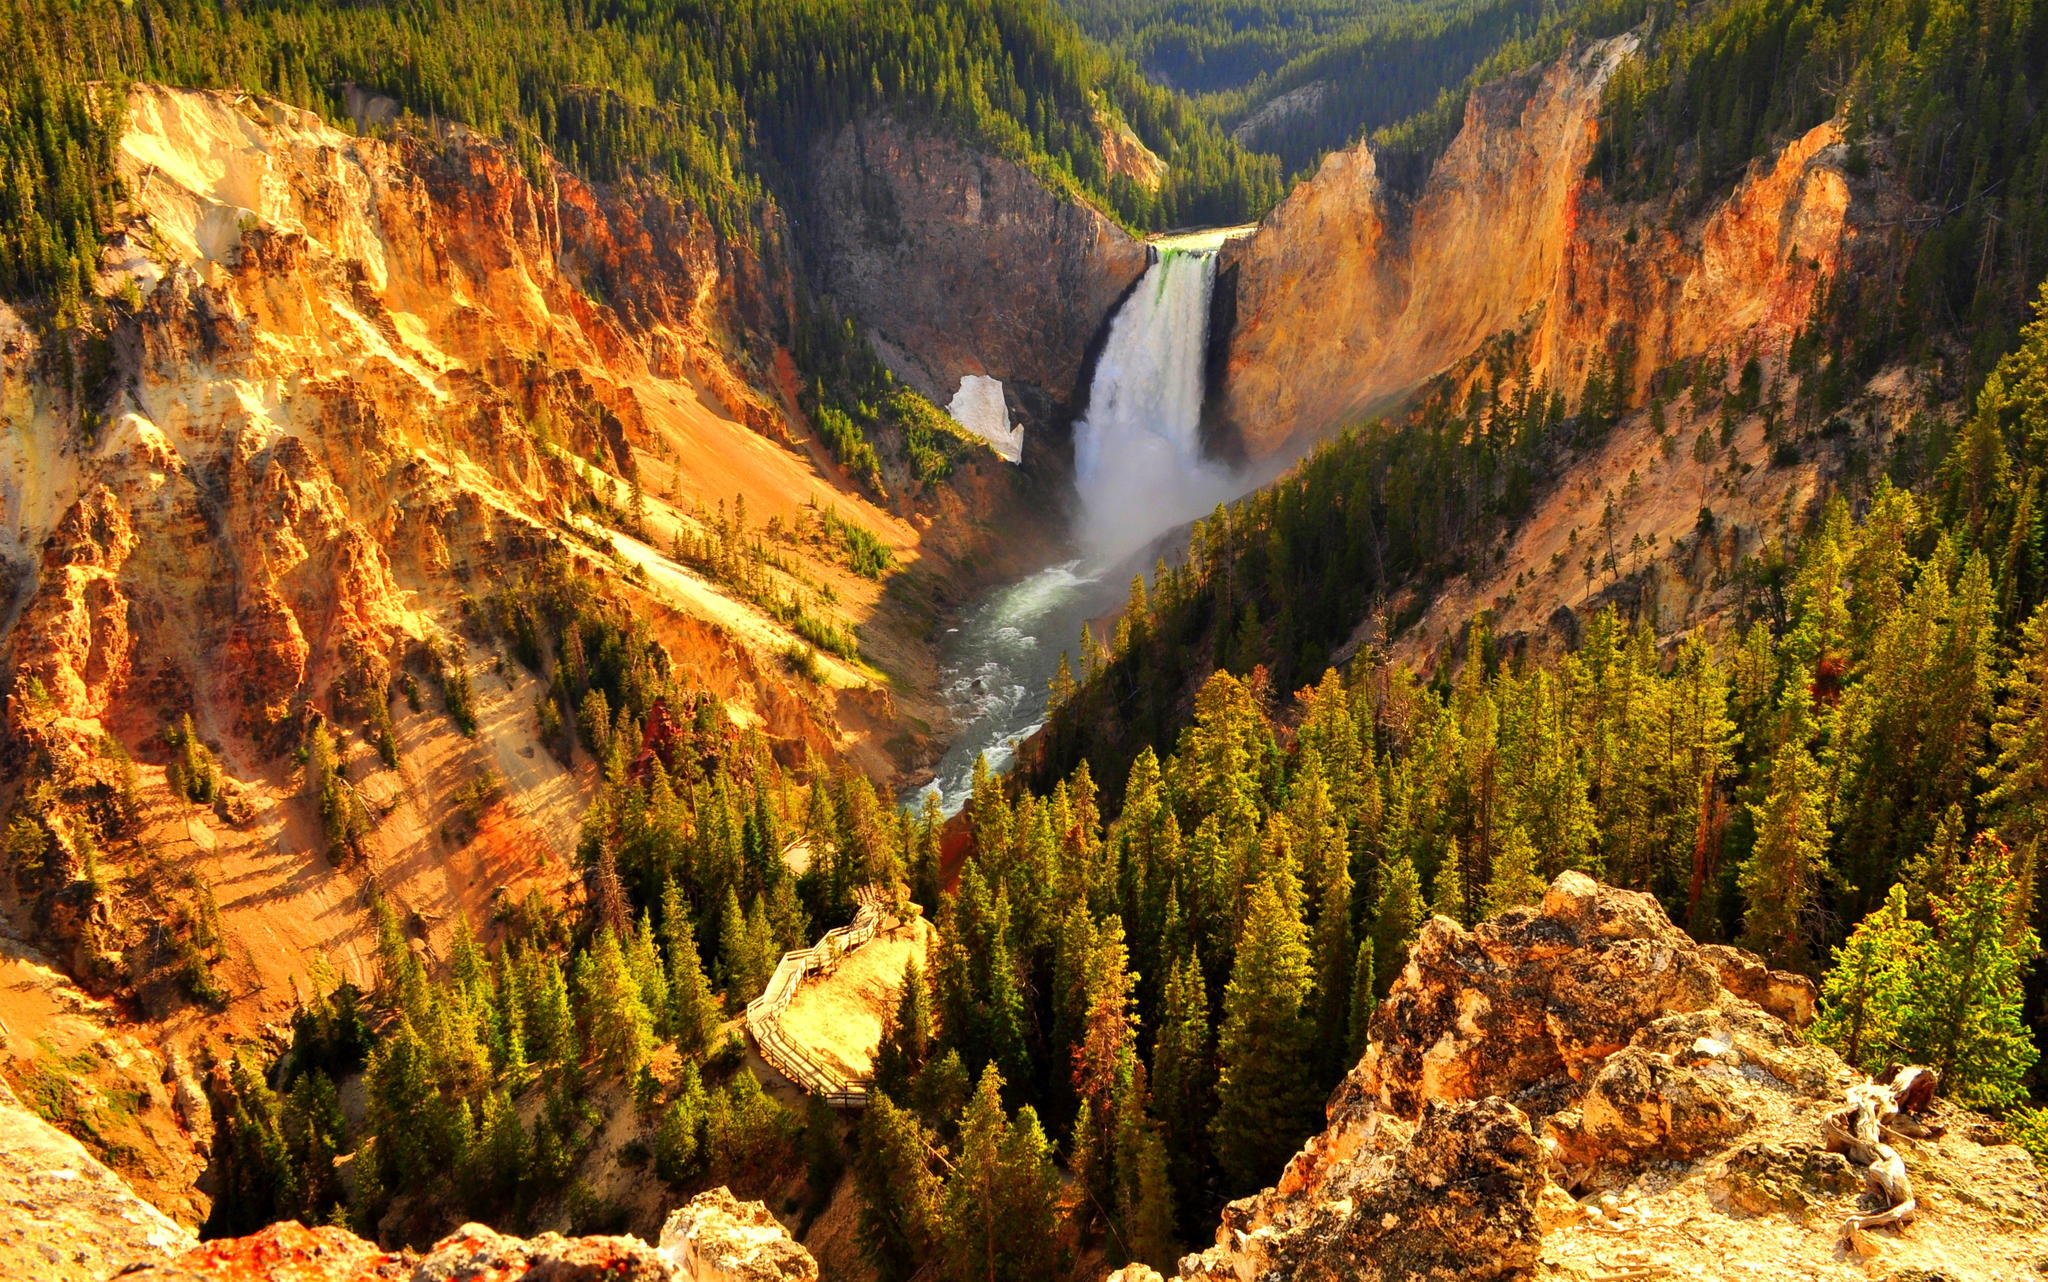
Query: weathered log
(1878, 1110)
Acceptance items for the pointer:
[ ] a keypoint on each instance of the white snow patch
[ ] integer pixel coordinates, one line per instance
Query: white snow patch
(980, 407)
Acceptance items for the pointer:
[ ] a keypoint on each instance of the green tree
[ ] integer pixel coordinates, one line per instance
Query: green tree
(694, 1014)
(1866, 997)
(999, 1215)
(2019, 775)
(679, 1138)
(906, 1037)
(621, 1027)
(1265, 1092)
(1184, 1075)
(1777, 879)
(1515, 881)
(1395, 922)
(1964, 1019)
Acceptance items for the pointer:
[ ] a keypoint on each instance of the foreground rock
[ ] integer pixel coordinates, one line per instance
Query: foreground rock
(64, 1217)
(718, 1238)
(715, 1238)
(1575, 1090)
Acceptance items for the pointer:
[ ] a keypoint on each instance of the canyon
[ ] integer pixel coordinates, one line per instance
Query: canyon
(363, 375)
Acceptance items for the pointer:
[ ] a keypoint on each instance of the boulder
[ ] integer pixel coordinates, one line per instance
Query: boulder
(718, 1238)
(715, 1238)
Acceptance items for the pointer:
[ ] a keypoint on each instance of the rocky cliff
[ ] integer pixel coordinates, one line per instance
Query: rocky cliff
(64, 1217)
(1577, 1090)
(960, 263)
(1348, 296)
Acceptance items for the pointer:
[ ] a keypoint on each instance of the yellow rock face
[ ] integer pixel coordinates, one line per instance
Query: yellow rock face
(1343, 303)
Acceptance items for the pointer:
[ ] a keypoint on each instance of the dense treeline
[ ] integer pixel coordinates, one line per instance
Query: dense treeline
(704, 96)
(1395, 72)
(1851, 784)
(1947, 98)
(1208, 46)
(1181, 985)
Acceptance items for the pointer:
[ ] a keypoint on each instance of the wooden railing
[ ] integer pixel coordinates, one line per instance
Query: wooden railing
(764, 1013)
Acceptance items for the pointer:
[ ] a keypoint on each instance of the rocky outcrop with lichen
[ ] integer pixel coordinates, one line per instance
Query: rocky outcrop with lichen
(64, 1217)
(1572, 1083)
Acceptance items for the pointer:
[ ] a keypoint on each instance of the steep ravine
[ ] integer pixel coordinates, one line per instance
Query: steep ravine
(350, 387)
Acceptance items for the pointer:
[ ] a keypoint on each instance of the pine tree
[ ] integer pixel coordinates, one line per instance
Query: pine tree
(1184, 1075)
(621, 1028)
(735, 952)
(1777, 879)
(906, 1037)
(1866, 997)
(1399, 914)
(1149, 1223)
(649, 974)
(551, 1022)
(2019, 776)
(1967, 992)
(679, 1139)
(1266, 1050)
(502, 1155)
(899, 1196)
(1362, 1002)
(999, 1217)
(1447, 896)
(1514, 881)
(694, 1014)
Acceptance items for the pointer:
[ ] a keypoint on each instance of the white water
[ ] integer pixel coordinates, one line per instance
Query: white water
(1138, 464)
(1138, 472)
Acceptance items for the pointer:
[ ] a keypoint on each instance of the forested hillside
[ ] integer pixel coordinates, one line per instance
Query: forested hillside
(709, 99)
(1297, 80)
(1159, 943)
(1849, 783)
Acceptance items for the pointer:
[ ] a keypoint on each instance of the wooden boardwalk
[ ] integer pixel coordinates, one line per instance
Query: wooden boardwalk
(764, 1013)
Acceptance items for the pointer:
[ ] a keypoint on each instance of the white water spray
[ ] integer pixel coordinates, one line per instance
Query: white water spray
(1138, 463)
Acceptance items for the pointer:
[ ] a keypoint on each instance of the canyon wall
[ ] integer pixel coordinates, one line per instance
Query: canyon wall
(1347, 298)
(957, 262)
(348, 389)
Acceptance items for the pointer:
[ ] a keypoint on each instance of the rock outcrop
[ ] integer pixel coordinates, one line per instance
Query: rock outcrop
(961, 263)
(716, 1238)
(1348, 297)
(64, 1217)
(1570, 1084)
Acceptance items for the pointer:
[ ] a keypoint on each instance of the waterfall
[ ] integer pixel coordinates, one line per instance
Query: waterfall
(1138, 472)
(1138, 464)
